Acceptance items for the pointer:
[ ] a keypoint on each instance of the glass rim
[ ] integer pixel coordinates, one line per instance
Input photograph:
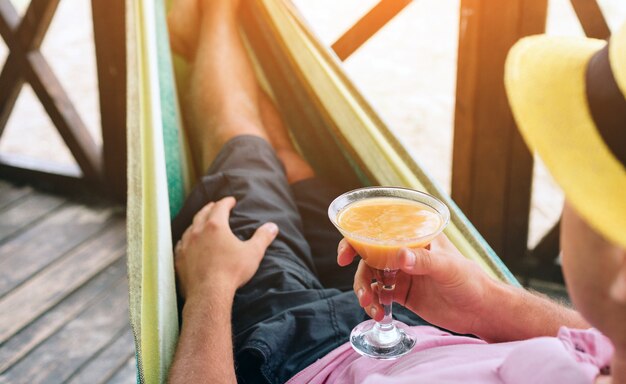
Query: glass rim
(443, 212)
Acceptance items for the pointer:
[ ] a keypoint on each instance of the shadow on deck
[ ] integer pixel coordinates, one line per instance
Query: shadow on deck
(63, 290)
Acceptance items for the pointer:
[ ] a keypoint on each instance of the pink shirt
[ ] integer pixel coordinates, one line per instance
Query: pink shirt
(574, 356)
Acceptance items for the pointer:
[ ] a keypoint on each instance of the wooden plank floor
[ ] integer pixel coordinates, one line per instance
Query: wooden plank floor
(63, 290)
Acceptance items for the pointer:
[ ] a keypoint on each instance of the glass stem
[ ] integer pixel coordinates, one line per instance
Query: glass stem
(386, 280)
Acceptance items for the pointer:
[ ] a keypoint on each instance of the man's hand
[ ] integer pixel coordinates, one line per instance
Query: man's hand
(450, 291)
(210, 256)
(439, 284)
(211, 263)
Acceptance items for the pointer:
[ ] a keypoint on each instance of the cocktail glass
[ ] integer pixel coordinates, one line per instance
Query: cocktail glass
(387, 339)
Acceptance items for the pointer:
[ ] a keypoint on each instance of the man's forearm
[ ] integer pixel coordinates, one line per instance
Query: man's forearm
(205, 353)
(517, 314)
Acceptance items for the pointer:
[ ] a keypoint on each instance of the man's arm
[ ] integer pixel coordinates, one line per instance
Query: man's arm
(452, 292)
(205, 353)
(513, 313)
(211, 264)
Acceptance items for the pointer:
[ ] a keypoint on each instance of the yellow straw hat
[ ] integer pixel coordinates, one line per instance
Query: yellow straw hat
(567, 96)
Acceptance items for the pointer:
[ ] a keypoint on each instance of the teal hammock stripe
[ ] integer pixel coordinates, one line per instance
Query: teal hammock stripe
(170, 115)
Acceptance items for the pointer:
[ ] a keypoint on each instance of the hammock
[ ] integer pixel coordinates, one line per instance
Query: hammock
(338, 132)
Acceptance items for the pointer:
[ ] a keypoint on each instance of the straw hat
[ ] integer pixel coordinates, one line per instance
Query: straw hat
(568, 98)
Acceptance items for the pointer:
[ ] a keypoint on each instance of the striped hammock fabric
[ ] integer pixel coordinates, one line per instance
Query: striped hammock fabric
(337, 131)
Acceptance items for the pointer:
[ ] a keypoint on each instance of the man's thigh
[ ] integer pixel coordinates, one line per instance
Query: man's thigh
(247, 169)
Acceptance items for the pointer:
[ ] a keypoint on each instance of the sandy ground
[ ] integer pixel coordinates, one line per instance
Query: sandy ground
(407, 71)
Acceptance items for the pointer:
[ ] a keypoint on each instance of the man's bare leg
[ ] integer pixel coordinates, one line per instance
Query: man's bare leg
(296, 168)
(223, 93)
(226, 100)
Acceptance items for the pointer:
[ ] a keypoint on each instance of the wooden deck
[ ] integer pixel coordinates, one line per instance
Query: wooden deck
(63, 290)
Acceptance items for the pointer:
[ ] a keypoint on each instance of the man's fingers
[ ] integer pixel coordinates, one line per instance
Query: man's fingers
(263, 236)
(221, 210)
(363, 284)
(423, 262)
(203, 214)
(345, 253)
(374, 309)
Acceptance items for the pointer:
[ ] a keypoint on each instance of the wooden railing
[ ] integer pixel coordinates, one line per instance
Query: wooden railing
(103, 167)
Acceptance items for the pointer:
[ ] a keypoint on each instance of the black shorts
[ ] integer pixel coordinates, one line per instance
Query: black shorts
(299, 305)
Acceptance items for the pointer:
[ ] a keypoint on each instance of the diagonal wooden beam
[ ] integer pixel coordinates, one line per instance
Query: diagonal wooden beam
(9, 85)
(367, 26)
(63, 114)
(9, 20)
(591, 18)
(35, 23)
(11, 82)
(20, 37)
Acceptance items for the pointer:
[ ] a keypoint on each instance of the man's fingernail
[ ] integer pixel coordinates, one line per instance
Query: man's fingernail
(359, 293)
(341, 248)
(410, 259)
(272, 228)
(373, 311)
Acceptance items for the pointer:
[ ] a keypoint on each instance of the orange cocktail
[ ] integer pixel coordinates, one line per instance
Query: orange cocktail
(378, 227)
(378, 222)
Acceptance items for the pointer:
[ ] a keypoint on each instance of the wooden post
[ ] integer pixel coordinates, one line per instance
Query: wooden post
(110, 38)
(492, 169)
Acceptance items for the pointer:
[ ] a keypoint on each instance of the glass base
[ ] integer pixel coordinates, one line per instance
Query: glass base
(382, 342)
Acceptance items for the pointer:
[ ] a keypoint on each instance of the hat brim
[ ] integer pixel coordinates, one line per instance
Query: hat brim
(545, 82)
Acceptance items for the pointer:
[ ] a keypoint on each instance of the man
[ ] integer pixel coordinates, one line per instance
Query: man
(263, 301)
